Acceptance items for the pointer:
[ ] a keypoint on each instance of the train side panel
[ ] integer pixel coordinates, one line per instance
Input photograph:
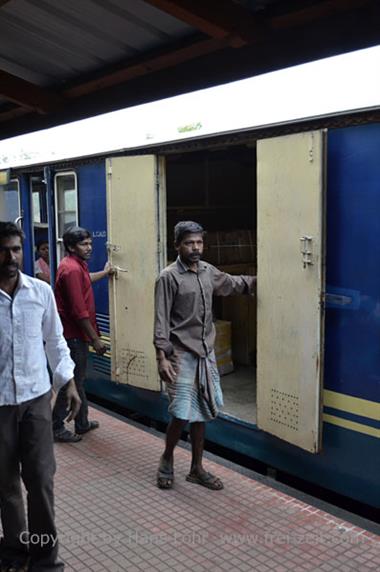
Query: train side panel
(93, 216)
(348, 462)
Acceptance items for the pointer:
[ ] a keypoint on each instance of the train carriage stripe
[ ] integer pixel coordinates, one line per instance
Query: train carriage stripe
(351, 425)
(354, 405)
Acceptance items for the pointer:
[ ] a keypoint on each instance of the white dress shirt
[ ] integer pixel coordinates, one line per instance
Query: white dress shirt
(29, 327)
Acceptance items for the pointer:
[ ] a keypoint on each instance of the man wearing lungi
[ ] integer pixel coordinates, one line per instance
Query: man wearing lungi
(184, 336)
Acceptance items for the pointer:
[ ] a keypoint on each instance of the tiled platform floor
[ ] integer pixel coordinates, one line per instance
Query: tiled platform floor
(112, 517)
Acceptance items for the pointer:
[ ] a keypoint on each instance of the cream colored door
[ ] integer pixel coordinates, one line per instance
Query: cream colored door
(290, 287)
(135, 196)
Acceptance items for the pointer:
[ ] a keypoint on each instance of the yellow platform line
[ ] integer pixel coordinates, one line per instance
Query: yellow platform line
(359, 427)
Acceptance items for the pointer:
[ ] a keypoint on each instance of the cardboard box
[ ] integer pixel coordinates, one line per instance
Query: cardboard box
(230, 247)
(223, 351)
(241, 312)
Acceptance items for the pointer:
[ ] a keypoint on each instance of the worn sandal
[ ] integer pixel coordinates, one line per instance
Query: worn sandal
(165, 475)
(66, 436)
(206, 480)
(91, 426)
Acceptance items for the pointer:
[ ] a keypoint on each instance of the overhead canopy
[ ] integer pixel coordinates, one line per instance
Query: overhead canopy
(67, 60)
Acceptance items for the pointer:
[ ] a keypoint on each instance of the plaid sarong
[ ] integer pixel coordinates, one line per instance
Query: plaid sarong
(196, 395)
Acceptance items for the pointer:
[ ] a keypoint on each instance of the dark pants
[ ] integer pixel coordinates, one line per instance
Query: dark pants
(26, 450)
(79, 353)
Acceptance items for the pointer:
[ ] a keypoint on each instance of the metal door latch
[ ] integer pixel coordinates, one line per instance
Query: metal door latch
(306, 250)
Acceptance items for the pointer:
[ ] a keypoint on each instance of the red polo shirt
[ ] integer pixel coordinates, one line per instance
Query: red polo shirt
(74, 296)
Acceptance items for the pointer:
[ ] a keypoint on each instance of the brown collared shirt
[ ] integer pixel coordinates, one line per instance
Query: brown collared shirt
(183, 305)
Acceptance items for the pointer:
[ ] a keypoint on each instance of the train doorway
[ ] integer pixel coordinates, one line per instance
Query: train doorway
(217, 188)
(268, 193)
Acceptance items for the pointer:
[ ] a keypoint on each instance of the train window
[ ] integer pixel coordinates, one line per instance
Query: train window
(66, 200)
(36, 207)
(39, 201)
(10, 200)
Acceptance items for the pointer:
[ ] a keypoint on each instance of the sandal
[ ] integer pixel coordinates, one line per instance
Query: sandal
(206, 480)
(91, 426)
(66, 436)
(165, 475)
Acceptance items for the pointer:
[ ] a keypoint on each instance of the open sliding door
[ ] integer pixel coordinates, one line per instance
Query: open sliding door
(291, 180)
(135, 197)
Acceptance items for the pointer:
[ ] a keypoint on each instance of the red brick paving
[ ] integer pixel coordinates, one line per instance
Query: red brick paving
(112, 518)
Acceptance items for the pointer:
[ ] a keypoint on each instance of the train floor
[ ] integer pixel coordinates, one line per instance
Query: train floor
(112, 518)
(239, 393)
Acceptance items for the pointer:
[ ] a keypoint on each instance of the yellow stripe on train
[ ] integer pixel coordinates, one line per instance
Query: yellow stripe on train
(353, 425)
(354, 405)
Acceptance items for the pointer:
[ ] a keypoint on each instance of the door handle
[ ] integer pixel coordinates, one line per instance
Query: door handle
(307, 250)
(18, 221)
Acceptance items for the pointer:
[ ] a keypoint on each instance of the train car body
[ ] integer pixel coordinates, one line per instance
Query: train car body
(301, 210)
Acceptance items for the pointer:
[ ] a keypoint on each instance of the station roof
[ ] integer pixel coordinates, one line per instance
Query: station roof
(68, 60)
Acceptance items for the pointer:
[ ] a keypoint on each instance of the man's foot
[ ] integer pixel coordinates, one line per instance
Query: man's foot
(206, 480)
(14, 567)
(66, 436)
(165, 474)
(91, 425)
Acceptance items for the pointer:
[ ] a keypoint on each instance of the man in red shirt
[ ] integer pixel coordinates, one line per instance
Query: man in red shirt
(76, 307)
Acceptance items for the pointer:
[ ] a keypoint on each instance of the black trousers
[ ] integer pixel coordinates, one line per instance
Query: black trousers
(26, 451)
(79, 354)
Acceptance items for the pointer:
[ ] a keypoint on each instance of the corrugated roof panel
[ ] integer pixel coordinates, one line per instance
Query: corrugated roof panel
(9, 64)
(164, 22)
(45, 42)
(40, 44)
(119, 23)
(69, 32)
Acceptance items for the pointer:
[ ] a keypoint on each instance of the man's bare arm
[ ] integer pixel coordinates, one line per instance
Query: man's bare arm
(108, 270)
(88, 329)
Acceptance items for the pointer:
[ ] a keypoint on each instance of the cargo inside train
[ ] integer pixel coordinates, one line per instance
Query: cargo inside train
(217, 188)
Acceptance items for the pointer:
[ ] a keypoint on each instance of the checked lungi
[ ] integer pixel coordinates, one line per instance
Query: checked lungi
(196, 395)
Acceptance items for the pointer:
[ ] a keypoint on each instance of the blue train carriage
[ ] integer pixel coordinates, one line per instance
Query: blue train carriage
(302, 362)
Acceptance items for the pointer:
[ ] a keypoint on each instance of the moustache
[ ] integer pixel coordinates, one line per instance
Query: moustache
(12, 266)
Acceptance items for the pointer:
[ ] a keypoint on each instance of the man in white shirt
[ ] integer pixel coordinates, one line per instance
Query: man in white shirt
(29, 327)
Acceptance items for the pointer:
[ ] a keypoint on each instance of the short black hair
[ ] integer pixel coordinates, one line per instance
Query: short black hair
(186, 227)
(73, 235)
(8, 229)
(40, 243)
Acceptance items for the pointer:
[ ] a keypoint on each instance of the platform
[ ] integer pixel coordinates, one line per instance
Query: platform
(112, 518)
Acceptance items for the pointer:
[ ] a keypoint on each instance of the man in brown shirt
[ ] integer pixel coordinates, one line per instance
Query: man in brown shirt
(184, 336)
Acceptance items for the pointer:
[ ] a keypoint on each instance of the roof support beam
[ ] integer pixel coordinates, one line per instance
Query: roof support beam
(13, 113)
(28, 95)
(148, 65)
